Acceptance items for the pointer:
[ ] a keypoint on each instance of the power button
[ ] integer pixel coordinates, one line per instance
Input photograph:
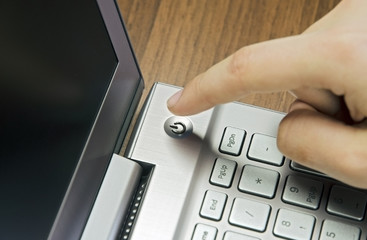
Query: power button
(178, 127)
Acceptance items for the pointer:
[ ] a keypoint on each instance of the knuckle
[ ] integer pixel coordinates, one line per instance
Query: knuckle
(240, 61)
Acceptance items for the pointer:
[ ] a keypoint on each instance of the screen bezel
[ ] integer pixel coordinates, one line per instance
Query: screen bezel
(107, 134)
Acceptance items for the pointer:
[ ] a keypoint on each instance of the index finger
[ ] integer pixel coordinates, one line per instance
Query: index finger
(276, 65)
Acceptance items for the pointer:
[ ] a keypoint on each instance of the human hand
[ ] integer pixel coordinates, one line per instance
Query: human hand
(325, 68)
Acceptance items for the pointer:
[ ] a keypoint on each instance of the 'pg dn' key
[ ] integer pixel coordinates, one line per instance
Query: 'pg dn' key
(232, 141)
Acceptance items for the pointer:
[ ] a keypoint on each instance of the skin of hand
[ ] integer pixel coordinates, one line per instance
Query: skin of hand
(325, 68)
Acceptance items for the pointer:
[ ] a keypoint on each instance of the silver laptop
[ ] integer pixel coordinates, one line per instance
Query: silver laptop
(69, 88)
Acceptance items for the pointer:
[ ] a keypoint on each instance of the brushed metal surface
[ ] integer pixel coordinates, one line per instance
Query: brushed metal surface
(175, 161)
(181, 177)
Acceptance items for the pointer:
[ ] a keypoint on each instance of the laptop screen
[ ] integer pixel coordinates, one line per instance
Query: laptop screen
(56, 65)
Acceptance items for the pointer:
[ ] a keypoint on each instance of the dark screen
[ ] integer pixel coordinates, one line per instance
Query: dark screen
(56, 63)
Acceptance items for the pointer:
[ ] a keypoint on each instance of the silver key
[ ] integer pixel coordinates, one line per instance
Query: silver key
(237, 236)
(232, 141)
(302, 192)
(249, 214)
(203, 231)
(223, 172)
(294, 225)
(213, 205)
(264, 148)
(259, 181)
(347, 202)
(338, 231)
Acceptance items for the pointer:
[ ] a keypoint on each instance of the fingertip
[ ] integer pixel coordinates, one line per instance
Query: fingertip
(173, 100)
(193, 98)
(186, 102)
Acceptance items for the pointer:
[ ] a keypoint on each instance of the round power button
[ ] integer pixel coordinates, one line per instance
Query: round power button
(178, 127)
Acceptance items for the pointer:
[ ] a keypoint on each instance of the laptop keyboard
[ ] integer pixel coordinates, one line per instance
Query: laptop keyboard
(308, 198)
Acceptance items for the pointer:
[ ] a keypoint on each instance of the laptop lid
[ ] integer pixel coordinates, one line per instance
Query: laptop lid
(69, 86)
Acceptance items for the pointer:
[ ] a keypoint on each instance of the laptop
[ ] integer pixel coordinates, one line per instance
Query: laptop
(70, 85)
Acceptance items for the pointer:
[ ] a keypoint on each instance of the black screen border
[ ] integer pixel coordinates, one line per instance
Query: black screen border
(108, 132)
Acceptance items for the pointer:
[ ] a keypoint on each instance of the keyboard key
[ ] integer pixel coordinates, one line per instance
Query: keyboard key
(347, 202)
(232, 141)
(203, 231)
(259, 181)
(338, 231)
(264, 149)
(303, 192)
(213, 205)
(237, 236)
(294, 225)
(223, 172)
(249, 214)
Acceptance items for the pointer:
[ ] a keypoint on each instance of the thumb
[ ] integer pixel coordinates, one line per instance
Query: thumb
(324, 144)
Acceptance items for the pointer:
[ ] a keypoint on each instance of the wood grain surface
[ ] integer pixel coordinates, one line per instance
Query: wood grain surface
(174, 40)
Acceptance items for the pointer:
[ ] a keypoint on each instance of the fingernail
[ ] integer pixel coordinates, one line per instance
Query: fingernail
(174, 99)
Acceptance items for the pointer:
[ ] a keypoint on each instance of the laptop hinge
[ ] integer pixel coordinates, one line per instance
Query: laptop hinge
(113, 200)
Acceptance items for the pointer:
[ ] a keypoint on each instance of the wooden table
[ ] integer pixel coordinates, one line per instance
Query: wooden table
(174, 40)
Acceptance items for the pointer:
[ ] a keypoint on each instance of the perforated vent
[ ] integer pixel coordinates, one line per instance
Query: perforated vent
(134, 209)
